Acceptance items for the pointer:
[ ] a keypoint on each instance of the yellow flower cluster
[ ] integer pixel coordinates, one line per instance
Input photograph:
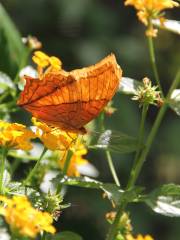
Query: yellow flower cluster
(17, 136)
(151, 9)
(56, 139)
(79, 150)
(25, 219)
(44, 61)
(139, 237)
(14, 135)
(53, 139)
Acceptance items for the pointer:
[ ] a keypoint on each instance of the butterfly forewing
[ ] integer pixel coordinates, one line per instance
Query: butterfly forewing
(71, 100)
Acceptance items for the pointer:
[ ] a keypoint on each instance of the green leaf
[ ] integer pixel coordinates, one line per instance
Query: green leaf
(11, 46)
(5, 82)
(6, 178)
(165, 200)
(129, 85)
(66, 235)
(16, 188)
(175, 101)
(79, 181)
(112, 191)
(169, 25)
(116, 142)
(118, 195)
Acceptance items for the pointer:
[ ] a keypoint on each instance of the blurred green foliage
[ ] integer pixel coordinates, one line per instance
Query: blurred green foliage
(81, 32)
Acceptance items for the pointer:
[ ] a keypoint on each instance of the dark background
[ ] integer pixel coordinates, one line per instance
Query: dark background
(81, 32)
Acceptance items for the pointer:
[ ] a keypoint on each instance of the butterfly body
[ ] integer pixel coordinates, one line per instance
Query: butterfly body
(69, 100)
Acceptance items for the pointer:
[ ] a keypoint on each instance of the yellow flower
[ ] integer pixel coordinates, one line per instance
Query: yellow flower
(25, 219)
(151, 9)
(43, 61)
(14, 135)
(139, 237)
(76, 160)
(53, 138)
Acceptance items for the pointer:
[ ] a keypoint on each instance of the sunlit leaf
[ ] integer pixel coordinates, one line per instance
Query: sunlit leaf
(4, 235)
(16, 188)
(116, 141)
(165, 200)
(129, 85)
(112, 191)
(11, 46)
(6, 178)
(170, 25)
(175, 101)
(80, 182)
(65, 235)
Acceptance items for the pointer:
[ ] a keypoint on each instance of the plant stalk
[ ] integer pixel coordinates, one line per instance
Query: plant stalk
(140, 139)
(108, 154)
(153, 63)
(112, 168)
(28, 178)
(67, 162)
(133, 177)
(2, 168)
(43, 237)
(113, 230)
(65, 168)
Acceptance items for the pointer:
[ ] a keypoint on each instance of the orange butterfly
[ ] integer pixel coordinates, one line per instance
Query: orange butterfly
(69, 100)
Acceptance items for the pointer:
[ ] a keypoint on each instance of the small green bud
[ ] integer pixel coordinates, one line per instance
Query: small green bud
(148, 94)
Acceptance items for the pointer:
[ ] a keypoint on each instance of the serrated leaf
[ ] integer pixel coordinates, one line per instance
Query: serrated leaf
(16, 188)
(116, 142)
(129, 85)
(66, 235)
(170, 25)
(165, 200)
(175, 101)
(11, 46)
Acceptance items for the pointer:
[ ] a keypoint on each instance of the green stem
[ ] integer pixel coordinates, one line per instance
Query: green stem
(43, 237)
(140, 139)
(113, 230)
(153, 63)
(142, 158)
(112, 169)
(139, 163)
(15, 165)
(65, 169)
(141, 130)
(101, 122)
(2, 168)
(28, 178)
(67, 162)
(108, 154)
(133, 177)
